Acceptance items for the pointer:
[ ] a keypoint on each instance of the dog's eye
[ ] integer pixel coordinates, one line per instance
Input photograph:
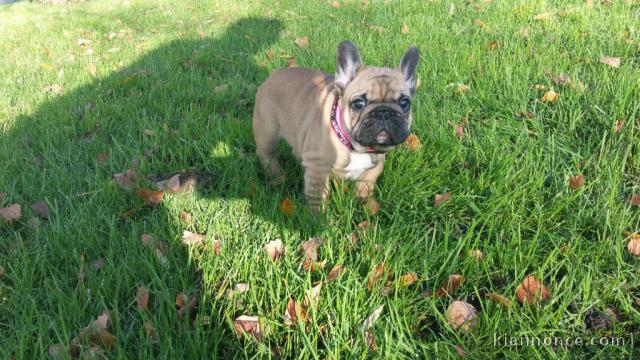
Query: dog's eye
(405, 103)
(358, 103)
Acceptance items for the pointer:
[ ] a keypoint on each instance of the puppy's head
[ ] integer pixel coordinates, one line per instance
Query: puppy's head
(376, 102)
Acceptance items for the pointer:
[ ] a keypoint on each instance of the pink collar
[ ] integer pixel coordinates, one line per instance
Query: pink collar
(338, 126)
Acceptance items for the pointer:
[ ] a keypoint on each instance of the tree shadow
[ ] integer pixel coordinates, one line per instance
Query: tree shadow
(69, 148)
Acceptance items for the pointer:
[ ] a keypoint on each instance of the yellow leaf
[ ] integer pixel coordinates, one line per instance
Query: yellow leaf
(550, 96)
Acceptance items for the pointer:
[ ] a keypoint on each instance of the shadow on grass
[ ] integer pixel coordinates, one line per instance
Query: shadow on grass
(186, 104)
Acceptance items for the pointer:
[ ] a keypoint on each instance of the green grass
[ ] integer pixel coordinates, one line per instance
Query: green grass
(508, 177)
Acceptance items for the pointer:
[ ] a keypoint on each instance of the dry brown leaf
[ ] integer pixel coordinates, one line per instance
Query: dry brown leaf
(378, 273)
(275, 249)
(190, 238)
(335, 272)
(611, 61)
(311, 296)
(525, 114)
(369, 321)
(408, 279)
(41, 209)
(310, 248)
(270, 54)
(372, 207)
(617, 126)
(186, 217)
(125, 179)
(500, 300)
(492, 45)
(635, 199)
(302, 42)
(460, 351)
(335, 4)
(461, 315)
(248, 325)
(441, 198)
(291, 62)
(413, 142)
(150, 197)
(405, 29)
(11, 213)
(150, 330)
(531, 290)
(453, 282)
(477, 254)
(370, 340)
(217, 247)
(634, 245)
(186, 305)
(313, 265)
(142, 298)
(575, 182)
(96, 334)
(459, 131)
(550, 96)
(294, 312)
(172, 184)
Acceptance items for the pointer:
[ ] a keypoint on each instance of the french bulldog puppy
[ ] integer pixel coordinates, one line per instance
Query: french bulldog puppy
(340, 123)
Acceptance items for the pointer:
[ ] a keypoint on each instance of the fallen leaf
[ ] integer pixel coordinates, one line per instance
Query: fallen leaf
(173, 184)
(293, 312)
(150, 197)
(310, 248)
(291, 62)
(96, 334)
(634, 245)
(150, 331)
(335, 4)
(311, 296)
(313, 265)
(186, 305)
(635, 199)
(575, 182)
(186, 217)
(561, 80)
(363, 225)
(54, 89)
(248, 325)
(372, 206)
(523, 114)
(461, 315)
(550, 96)
(102, 157)
(477, 254)
(453, 282)
(413, 142)
(462, 88)
(286, 206)
(460, 351)
(201, 34)
(11, 213)
(611, 61)
(370, 340)
(41, 209)
(335, 272)
(441, 198)
(480, 23)
(275, 249)
(142, 298)
(500, 300)
(492, 45)
(459, 131)
(217, 247)
(617, 126)
(531, 290)
(405, 29)
(408, 279)
(302, 41)
(380, 272)
(368, 322)
(125, 179)
(189, 238)
(542, 16)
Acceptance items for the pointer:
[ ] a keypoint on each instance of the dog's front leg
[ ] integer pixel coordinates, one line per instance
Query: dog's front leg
(366, 183)
(316, 187)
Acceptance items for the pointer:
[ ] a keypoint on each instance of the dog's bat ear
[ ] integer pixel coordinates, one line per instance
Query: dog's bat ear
(408, 66)
(347, 63)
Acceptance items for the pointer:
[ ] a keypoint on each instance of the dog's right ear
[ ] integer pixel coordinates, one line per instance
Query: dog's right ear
(347, 63)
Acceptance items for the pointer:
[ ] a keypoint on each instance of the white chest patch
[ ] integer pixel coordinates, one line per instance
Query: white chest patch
(358, 163)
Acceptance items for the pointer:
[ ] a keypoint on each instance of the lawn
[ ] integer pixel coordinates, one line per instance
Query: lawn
(522, 120)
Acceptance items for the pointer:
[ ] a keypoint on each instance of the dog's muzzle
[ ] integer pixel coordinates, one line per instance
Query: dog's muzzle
(382, 126)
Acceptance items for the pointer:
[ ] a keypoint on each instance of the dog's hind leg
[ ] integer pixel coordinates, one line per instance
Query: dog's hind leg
(266, 135)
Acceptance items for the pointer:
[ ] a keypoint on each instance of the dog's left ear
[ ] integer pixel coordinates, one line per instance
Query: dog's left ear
(347, 63)
(408, 67)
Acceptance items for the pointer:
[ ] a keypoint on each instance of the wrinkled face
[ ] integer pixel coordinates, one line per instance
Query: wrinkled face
(377, 108)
